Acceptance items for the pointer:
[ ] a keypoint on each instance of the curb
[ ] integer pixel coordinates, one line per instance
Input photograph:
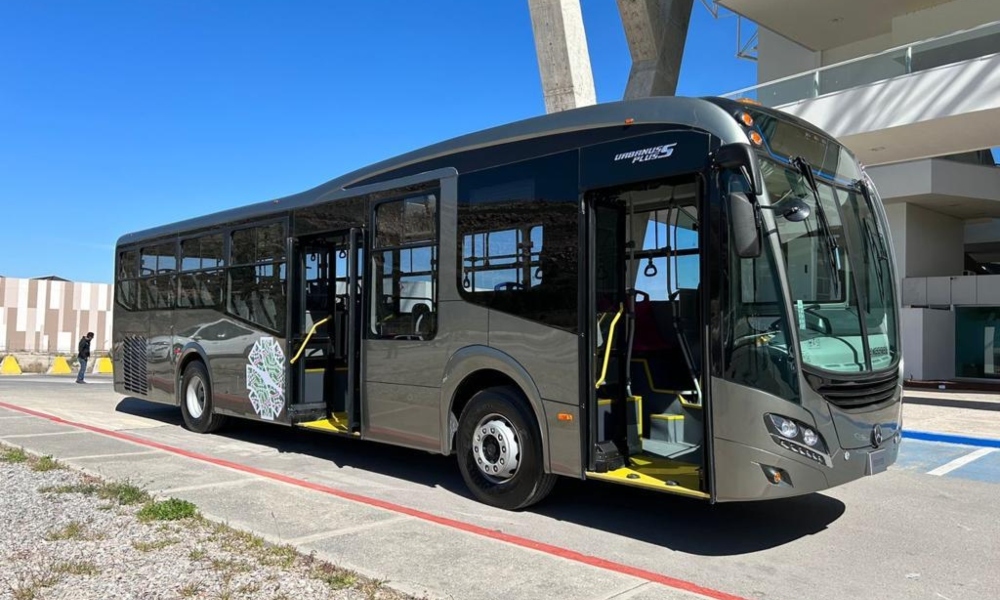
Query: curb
(930, 436)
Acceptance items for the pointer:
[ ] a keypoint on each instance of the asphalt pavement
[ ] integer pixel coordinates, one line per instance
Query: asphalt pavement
(927, 528)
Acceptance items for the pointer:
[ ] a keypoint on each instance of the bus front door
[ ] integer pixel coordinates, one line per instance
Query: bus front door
(647, 423)
(325, 343)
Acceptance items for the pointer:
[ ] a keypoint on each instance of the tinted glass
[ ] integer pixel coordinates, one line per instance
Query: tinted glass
(518, 239)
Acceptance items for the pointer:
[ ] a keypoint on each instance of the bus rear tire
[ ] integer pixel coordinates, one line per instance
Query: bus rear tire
(196, 400)
(500, 450)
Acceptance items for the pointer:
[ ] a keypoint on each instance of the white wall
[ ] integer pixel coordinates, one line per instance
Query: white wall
(935, 243)
(873, 45)
(896, 214)
(943, 19)
(779, 57)
(928, 343)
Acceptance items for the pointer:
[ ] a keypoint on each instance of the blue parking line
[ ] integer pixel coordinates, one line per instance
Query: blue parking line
(986, 468)
(928, 436)
(925, 456)
(921, 456)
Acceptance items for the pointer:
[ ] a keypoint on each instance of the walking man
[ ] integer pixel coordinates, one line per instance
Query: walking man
(83, 353)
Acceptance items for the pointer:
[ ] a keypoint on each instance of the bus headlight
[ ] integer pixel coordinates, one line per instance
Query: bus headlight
(798, 437)
(785, 427)
(809, 436)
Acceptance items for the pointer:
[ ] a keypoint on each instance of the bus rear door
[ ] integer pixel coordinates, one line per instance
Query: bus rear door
(324, 342)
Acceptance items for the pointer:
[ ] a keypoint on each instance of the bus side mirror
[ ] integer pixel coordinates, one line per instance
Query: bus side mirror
(745, 225)
(740, 157)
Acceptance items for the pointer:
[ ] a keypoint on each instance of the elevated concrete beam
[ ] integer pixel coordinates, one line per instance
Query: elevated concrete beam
(656, 31)
(563, 58)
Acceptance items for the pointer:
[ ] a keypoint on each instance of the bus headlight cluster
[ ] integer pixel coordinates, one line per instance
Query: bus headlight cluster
(786, 427)
(797, 437)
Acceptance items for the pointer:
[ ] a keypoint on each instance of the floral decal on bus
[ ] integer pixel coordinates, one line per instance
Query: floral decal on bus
(266, 378)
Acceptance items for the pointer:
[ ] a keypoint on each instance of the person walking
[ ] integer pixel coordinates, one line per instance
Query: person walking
(83, 353)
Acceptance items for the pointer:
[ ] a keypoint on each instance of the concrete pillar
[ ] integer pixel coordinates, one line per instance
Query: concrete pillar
(563, 58)
(656, 31)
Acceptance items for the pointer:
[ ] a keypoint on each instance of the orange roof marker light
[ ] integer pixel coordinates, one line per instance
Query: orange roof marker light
(756, 139)
(746, 119)
(629, 121)
(749, 101)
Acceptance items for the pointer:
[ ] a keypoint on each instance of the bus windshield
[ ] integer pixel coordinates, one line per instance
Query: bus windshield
(838, 266)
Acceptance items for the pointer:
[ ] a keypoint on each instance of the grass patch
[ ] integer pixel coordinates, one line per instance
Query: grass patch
(338, 579)
(190, 590)
(74, 530)
(229, 565)
(76, 567)
(29, 587)
(46, 463)
(123, 493)
(197, 554)
(14, 455)
(171, 509)
(86, 489)
(156, 545)
(279, 556)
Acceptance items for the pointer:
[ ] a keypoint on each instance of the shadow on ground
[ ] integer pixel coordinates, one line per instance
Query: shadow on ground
(672, 522)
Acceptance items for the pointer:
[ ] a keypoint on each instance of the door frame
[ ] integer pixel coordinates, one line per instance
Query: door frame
(689, 155)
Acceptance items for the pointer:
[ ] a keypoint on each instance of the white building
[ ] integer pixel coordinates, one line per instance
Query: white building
(913, 88)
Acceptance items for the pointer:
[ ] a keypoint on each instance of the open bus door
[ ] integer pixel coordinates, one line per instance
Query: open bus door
(648, 403)
(325, 343)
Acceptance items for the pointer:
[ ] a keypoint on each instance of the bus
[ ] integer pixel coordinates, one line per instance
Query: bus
(689, 295)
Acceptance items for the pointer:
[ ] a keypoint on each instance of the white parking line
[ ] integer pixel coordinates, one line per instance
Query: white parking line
(315, 537)
(31, 435)
(961, 461)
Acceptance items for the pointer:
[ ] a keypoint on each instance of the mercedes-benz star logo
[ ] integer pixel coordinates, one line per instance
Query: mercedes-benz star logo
(877, 435)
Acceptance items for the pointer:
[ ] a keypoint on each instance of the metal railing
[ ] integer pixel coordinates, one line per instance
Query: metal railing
(911, 58)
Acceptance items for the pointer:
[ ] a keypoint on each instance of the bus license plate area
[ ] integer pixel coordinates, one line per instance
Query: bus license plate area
(878, 461)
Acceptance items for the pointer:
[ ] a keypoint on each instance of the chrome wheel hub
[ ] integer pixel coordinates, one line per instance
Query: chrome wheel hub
(194, 397)
(495, 448)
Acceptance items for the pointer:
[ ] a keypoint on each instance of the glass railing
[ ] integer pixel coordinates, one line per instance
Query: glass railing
(912, 58)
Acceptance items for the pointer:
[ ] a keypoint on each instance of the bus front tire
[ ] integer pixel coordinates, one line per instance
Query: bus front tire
(500, 450)
(196, 400)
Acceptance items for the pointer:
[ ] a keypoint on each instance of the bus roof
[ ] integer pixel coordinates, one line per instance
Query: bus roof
(710, 114)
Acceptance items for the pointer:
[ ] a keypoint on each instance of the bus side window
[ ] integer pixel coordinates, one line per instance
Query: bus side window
(405, 269)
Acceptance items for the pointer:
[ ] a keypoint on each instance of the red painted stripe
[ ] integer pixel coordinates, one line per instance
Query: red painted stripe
(566, 553)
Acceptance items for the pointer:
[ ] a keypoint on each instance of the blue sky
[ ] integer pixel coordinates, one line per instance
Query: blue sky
(117, 116)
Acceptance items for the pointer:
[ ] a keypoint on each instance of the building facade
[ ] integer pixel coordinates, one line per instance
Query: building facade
(48, 315)
(913, 88)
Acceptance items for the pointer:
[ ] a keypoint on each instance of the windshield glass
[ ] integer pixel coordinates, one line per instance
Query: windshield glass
(838, 268)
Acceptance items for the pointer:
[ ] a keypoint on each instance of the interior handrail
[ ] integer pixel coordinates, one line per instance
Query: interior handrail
(309, 335)
(607, 347)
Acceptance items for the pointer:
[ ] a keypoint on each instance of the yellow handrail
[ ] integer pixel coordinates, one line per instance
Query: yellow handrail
(607, 347)
(309, 335)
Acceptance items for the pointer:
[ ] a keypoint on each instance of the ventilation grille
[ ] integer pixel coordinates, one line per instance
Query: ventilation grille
(134, 365)
(857, 393)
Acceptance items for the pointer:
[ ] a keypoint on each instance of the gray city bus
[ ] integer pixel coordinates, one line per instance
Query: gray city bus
(696, 296)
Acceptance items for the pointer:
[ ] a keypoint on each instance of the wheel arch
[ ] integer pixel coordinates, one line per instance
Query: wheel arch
(475, 368)
(190, 353)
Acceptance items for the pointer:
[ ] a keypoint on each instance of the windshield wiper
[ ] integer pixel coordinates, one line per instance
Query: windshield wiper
(804, 169)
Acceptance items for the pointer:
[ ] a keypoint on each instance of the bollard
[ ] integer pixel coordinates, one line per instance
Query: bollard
(103, 366)
(60, 366)
(9, 366)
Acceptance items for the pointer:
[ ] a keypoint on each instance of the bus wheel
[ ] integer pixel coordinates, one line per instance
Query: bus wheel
(196, 400)
(500, 450)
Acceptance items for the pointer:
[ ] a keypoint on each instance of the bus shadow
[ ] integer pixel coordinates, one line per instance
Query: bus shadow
(688, 525)
(430, 470)
(664, 520)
